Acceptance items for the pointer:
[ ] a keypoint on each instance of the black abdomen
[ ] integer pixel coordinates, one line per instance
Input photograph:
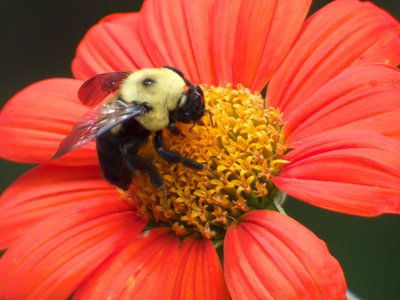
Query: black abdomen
(113, 148)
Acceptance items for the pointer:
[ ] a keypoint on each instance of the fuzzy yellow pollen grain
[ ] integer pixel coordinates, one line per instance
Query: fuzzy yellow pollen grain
(243, 143)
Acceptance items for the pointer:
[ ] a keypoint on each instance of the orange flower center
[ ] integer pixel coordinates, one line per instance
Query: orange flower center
(243, 143)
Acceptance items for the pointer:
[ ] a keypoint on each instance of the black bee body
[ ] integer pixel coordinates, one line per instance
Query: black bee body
(146, 101)
(113, 149)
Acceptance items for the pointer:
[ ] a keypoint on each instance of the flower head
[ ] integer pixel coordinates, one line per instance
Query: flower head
(326, 133)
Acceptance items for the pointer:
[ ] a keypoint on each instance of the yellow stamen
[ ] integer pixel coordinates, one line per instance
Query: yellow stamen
(244, 144)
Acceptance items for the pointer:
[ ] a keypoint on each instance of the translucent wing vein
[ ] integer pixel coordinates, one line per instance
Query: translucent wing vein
(97, 121)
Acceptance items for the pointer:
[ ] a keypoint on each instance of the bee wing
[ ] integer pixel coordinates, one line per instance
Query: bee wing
(95, 89)
(97, 121)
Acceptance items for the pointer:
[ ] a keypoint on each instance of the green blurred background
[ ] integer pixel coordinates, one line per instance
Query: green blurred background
(39, 40)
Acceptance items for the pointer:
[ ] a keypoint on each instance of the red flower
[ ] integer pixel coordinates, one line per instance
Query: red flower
(68, 231)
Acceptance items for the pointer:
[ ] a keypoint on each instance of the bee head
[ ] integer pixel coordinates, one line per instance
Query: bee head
(191, 106)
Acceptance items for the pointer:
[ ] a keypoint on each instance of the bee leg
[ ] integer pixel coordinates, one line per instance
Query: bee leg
(174, 129)
(135, 162)
(174, 157)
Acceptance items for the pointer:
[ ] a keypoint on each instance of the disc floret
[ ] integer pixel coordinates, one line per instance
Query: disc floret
(242, 141)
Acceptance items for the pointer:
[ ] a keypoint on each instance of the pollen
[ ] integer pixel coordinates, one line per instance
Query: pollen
(241, 140)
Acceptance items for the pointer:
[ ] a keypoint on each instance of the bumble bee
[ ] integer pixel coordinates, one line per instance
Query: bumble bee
(145, 101)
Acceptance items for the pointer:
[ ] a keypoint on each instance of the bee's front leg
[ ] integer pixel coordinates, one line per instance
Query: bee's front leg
(136, 162)
(174, 157)
(174, 129)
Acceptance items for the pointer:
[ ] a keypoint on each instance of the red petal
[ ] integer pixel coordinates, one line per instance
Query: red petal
(111, 45)
(177, 33)
(140, 269)
(351, 172)
(256, 39)
(249, 47)
(343, 33)
(155, 266)
(361, 98)
(271, 256)
(45, 191)
(224, 22)
(52, 259)
(35, 120)
(200, 274)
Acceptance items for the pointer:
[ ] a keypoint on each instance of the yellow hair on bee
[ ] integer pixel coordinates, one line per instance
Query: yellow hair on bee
(161, 88)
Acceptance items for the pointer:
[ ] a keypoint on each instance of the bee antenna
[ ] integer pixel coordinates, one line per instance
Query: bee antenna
(210, 114)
